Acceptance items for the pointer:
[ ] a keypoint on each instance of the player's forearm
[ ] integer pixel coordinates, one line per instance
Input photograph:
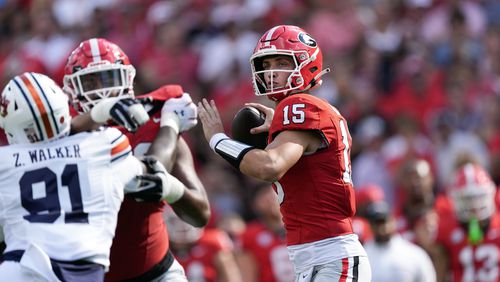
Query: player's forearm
(164, 147)
(262, 165)
(83, 123)
(193, 207)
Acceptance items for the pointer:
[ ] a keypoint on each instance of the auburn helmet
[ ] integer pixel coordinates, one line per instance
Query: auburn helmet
(293, 41)
(33, 108)
(473, 193)
(97, 69)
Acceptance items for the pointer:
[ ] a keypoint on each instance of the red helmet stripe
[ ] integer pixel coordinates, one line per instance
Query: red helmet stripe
(94, 48)
(39, 105)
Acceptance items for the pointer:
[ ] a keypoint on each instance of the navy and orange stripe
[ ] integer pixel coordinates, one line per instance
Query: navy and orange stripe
(32, 110)
(51, 111)
(39, 104)
(121, 148)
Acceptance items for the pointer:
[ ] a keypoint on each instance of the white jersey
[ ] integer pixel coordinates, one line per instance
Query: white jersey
(64, 196)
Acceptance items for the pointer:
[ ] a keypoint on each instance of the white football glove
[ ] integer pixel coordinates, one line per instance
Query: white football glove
(180, 113)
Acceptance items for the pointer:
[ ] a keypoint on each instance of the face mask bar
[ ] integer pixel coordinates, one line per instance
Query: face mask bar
(261, 87)
(94, 83)
(473, 205)
(271, 88)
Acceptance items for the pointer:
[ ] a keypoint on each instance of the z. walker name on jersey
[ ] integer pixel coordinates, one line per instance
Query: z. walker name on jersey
(40, 155)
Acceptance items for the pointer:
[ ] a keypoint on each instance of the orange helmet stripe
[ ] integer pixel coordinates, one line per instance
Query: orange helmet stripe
(39, 105)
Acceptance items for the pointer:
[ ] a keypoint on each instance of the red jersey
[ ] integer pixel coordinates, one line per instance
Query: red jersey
(199, 261)
(471, 262)
(141, 238)
(316, 194)
(269, 251)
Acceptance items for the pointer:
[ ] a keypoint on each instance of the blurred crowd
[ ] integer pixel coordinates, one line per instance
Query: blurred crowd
(415, 79)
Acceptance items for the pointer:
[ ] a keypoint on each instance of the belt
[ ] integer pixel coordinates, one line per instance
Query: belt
(156, 271)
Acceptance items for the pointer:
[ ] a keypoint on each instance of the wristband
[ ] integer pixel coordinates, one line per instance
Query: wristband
(175, 191)
(230, 150)
(171, 120)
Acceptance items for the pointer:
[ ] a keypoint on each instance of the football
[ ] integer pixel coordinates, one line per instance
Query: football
(244, 120)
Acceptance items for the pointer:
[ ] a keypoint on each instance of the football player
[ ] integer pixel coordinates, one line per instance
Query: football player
(205, 253)
(60, 194)
(468, 246)
(307, 157)
(262, 254)
(99, 69)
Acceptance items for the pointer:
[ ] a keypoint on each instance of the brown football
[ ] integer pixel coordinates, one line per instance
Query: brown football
(244, 120)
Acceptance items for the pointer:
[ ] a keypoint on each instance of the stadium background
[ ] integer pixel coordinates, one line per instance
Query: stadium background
(414, 78)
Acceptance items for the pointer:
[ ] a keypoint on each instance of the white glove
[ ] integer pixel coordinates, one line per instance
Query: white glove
(179, 113)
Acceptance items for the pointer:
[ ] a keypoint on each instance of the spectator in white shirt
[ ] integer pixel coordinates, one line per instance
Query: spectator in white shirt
(393, 258)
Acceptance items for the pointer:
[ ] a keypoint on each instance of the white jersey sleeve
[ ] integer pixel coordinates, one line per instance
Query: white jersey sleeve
(125, 166)
(64, 196)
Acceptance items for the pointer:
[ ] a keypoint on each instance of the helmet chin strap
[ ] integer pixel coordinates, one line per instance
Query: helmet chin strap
(319, 75)
(314, 80)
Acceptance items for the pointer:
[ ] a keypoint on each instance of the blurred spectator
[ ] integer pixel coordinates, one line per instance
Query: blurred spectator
(451, 143)
(365, 196)
(80, 13)
(225, 53)
(263, 255)
(418, 90)
(46, 43)
(335, 25)
(406, 143)
(438, 23)
(392, 258)
(233, 224)
(416, 216)
(206, 254)
(369, 166)
(165, 59)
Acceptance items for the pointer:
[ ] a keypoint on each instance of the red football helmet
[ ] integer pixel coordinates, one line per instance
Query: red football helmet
(97, 69)
(472, 193)
(293, 41)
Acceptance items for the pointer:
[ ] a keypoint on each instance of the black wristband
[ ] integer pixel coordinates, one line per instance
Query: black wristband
(232, 151)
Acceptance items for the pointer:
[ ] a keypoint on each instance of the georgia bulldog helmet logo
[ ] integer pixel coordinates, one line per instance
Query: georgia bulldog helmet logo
(307, 39)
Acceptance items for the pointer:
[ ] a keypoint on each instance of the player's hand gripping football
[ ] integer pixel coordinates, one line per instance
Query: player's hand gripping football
(210, 118)
(269, 112)
(185, 110)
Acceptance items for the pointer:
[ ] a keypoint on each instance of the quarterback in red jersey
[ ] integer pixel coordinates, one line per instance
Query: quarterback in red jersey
(468, 245)
(96, 70)
(307, 157)
(205, 254)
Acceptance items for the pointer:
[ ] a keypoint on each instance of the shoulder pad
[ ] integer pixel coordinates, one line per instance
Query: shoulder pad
(165, 92)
